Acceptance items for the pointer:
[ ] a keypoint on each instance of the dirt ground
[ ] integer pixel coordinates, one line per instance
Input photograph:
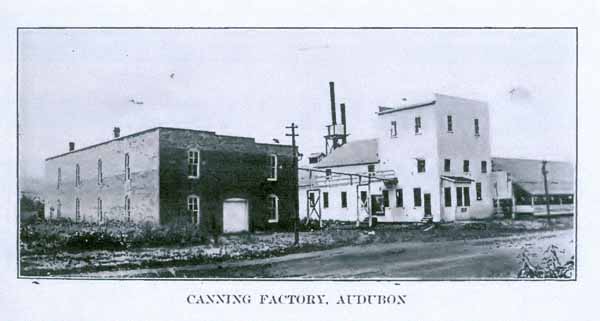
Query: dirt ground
(459, 250)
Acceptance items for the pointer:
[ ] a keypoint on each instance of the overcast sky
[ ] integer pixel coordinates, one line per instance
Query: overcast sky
(76, 85)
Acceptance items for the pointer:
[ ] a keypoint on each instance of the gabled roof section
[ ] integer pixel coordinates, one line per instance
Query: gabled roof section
(357, 152)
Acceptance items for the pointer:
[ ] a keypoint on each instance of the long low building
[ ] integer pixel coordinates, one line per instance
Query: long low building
(167, 175)
(519, 186)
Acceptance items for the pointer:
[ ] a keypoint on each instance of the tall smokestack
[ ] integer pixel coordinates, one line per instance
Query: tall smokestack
(116, 132)
(332, 96)
(343, 111)
(71, 146)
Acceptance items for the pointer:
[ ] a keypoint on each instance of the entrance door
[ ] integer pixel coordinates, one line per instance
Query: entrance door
(314, 207)
(427, 200)
(235, 215)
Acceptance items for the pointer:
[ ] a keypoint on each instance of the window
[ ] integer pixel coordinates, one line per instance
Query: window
(393, 129)
(193, 163)
(483, 166)
(459, 198)
(77, 177)
(194, 208)
(77, 210)
(421, 165)
(328, 173)
(363, 198)
(58, 208)
(386, 198)
(325, 199)
(399, 198)
(100, 216)
(417, 125)
(476, 126)
(446, 165)
(371, 170)
(100, 179)
(128, 208)
(345, 199)
(127, 170)
(449, 123)
(466, 195)
(272, 167)
(273, 209)
(417, 196)
(478, 191)
(466, 166)
(447, 196)
(58, 178)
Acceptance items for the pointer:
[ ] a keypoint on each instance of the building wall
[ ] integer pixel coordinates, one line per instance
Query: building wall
(462, 144)
(400, 154)
(230, 167)
(142, 188)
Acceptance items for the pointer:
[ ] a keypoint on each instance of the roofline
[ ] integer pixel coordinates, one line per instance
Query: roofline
(104, 142)
(352, 164)
(158, 128)
(396, 109)
(532, 159)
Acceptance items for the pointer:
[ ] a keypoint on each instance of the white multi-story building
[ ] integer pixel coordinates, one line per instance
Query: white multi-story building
(430, 160)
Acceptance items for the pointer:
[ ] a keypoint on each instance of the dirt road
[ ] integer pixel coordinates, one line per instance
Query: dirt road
(482, 258)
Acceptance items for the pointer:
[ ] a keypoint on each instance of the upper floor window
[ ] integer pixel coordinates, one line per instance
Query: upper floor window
(421, 165)
(394, 129)
(449, 123)
(446, 165)
(193, 163)
(58, 178)
(417, 125)
(273, 208)
(466, 166)
(483, 166)
(272, 167)
(127, 169)
(371, 170)
(77, 176)
(476, 126)
(193, 205)
(100, 178)
(77, 210)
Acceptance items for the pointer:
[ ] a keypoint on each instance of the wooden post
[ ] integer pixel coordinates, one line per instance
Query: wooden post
(293, 128)
(545, 173)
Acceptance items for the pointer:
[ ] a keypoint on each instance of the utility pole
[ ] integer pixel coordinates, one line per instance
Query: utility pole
(545, 173)
(293, 128)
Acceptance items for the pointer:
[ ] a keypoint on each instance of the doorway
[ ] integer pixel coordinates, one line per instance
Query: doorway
(427, 200)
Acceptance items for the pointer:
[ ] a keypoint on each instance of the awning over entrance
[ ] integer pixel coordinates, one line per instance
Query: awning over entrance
(457, 179)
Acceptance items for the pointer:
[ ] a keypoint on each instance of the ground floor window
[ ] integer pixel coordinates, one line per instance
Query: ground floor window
(325, 199)
(344, 200)
(399, 198)
(459, 197)
(273, 209)
(447, 196)
(58, 209)
(194, 208)
(417, 196)
(386, 198)
(478, 191)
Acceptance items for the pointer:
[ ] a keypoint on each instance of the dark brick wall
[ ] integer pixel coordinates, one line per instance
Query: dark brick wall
(230, 167)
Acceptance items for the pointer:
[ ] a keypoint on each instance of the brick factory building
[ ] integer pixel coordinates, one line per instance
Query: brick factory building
(166, 175)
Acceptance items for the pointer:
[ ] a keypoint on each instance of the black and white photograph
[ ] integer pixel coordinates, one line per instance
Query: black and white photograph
(297, 153)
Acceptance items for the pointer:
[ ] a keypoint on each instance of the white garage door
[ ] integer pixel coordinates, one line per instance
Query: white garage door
(235, 215)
